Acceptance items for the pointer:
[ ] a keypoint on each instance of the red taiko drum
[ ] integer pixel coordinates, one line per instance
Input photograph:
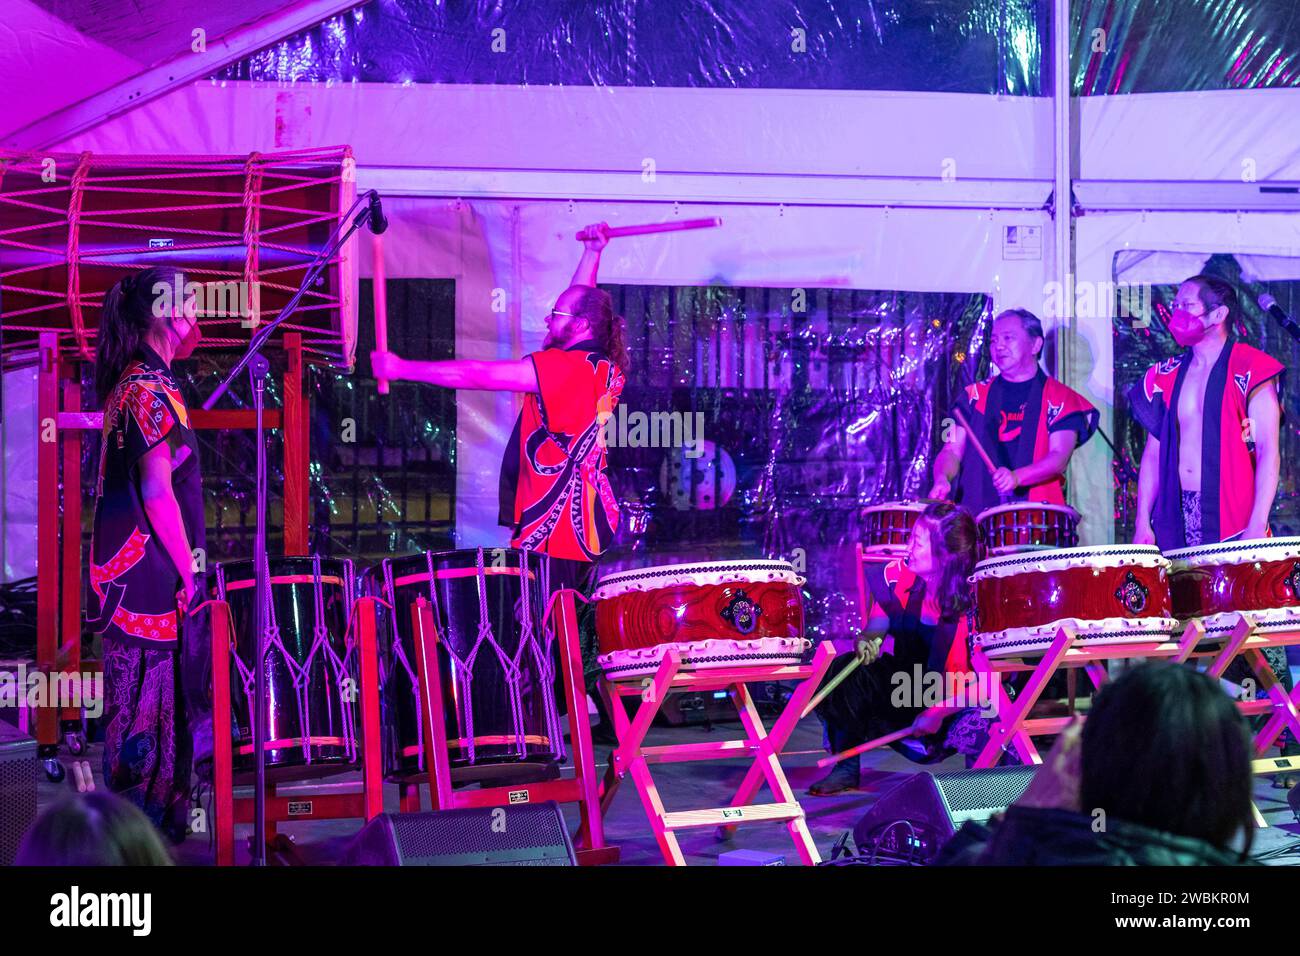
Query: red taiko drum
(1027, 526)
(717, 614)
(1114, 594)
(1259, 578)
(887, 528)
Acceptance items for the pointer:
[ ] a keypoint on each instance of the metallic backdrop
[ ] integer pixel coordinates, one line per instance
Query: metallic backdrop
(973, 46)
(956, 46)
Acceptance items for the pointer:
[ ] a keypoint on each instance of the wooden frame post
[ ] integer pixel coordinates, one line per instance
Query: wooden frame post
(631, 756)
(47, 531)
(583, 789)
(296, 453)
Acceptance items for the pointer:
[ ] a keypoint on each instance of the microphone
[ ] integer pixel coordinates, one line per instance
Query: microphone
(1269, 305)
(376, 218)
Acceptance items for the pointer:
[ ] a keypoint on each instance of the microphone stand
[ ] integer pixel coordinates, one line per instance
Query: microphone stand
(258, 367)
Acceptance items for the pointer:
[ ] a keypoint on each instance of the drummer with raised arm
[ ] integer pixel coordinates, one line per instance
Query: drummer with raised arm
(1028, 423)
(555, 493)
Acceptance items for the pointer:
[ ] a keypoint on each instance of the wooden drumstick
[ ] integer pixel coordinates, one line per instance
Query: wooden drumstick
(863, 748)
(970, 432)
(882, 741)
(380, 290)
(645, 230)
(834, 682)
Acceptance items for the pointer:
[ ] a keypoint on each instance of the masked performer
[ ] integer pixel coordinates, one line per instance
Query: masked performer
(1212, 459)
(1028, 422)
(1210, 468)
(148, 520)
(555, 493)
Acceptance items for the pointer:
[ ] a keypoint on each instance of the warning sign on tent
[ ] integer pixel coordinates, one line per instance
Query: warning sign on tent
(1022, 242)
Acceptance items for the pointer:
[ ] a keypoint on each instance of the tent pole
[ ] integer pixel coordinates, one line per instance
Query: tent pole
(1063, 207)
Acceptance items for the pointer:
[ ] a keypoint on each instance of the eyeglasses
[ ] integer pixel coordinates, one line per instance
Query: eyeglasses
(570, 315)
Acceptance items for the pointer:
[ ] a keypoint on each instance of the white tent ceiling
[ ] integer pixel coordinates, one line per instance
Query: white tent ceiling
(71, 64)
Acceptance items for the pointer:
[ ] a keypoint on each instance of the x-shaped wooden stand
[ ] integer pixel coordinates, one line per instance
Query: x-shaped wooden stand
(1244, 641)
(632, 757)
(1013, 727)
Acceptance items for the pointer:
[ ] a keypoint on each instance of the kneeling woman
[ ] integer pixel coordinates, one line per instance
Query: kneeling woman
(148, 520)
(919, 619)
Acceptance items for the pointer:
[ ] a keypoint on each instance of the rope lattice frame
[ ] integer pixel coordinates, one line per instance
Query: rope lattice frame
(71, 225)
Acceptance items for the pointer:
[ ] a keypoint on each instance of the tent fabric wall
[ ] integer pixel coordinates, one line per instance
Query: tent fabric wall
(853, 138)
(526, 247)
(1223, 135)
(696, 132)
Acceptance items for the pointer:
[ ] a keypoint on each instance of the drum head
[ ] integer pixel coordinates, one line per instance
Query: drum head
(916, 506)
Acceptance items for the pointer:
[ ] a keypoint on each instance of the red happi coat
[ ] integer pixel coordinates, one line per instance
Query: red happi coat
(1050, 406)
(1227, 448)
(916, 633)
(131, 575)
(555, 490)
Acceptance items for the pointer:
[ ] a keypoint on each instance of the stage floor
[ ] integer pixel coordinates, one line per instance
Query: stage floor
(690, 786)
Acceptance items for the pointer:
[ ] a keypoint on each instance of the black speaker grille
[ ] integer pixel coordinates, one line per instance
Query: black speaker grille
(19, 770)
(525, 835)
(977, 794)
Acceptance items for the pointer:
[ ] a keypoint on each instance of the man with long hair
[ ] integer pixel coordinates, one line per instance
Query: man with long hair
(148, 518)
(555, 493)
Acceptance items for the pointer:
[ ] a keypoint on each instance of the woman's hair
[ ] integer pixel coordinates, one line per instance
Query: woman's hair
(1214, 292)
(126, 320)
(1165, 747)
(1031, 323)
(953, 543)
(93, 829)
(609, 329)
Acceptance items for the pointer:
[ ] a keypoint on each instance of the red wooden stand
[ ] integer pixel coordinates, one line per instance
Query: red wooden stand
(231, 810)
(583, 789)
(1014, 727)
(1245, 642)
(631, 756)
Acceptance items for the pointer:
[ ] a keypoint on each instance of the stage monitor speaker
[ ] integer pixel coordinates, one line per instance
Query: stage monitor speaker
(19, 770)
(532, 834)
(914, 819)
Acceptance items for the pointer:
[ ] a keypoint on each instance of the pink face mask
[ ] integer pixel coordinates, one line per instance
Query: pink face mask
(1187, 329)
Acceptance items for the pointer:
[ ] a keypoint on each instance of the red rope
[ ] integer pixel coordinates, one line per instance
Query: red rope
(74, 256)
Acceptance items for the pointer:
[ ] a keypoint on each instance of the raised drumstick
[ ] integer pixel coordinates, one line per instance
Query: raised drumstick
(616, 231)
(380, 290)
